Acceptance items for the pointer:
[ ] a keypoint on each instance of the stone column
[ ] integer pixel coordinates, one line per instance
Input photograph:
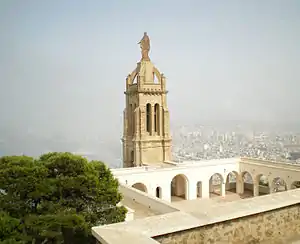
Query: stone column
(143, 121)
(136, 121)
(137, 154)
(125, 123)
(223, 189)
(239, 184)
(160, 121)
(271, 187)
(255, 188)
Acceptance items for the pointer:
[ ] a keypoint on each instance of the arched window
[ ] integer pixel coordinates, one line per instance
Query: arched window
(156, 118)
(148, 117)
(130, 119)
(133, 119)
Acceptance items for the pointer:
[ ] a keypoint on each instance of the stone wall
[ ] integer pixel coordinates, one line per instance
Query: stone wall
(278, 226)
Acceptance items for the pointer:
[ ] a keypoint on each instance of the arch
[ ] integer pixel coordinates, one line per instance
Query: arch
(132, 76)
(262, 184)
(199, 189)
(231, 182)
(135, 79)
(278, 185)
(157, 74)
(158, 192)
(179, 187)
(215, 185)
(140, 186)
(248, 186)
(155, 78)
(148, 117)
(156, 118)
(295, 185)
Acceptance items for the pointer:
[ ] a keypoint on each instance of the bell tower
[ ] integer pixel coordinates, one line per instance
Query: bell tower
(146, 135)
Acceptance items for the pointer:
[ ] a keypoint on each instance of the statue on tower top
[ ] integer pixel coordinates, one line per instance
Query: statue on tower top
(145, 47)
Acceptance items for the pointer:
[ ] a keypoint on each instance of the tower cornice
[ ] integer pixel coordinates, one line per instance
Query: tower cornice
(148, 92)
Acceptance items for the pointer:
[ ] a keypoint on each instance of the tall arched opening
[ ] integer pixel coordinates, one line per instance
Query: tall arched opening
(140, 186)
(231, 185)
(179, 188)
(215, 185)
(199, 189)
(158, 192)
(278, 185)
(262, 184)
(248, 185)
(156, 118)
(148, 117)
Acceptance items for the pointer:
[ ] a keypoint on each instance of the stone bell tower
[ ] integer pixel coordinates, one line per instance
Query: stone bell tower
(146, 136)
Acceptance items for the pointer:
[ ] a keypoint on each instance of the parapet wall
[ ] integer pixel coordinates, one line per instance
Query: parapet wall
(273, 218)
(156, 204)
(280, 226)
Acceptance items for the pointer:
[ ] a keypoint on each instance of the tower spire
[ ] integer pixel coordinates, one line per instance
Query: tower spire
(146, 135)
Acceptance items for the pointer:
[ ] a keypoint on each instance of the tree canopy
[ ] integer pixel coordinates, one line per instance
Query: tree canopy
(55, 198)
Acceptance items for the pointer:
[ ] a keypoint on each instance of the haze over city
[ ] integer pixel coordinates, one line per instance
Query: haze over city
(63, 66)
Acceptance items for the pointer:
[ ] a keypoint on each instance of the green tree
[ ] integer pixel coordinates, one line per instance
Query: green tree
(56, 198)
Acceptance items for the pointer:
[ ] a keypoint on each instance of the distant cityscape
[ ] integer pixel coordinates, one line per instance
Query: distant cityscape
(206, 142)
(189, 143)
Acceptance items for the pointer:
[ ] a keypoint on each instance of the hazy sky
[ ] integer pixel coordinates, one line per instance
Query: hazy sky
(63, 63)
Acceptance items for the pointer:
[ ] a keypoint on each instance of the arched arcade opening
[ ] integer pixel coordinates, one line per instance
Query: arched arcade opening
(179, 188)
(231, 182)
(140, 186)
(278, 185)
(248, 185)
(262, 184)
(215, 185)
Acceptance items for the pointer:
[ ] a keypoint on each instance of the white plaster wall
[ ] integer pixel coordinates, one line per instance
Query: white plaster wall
(201, 171)
(129, 214)
(154, 203)
(194, 172)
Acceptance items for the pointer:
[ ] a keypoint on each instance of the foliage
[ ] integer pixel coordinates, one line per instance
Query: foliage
(56, 198)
